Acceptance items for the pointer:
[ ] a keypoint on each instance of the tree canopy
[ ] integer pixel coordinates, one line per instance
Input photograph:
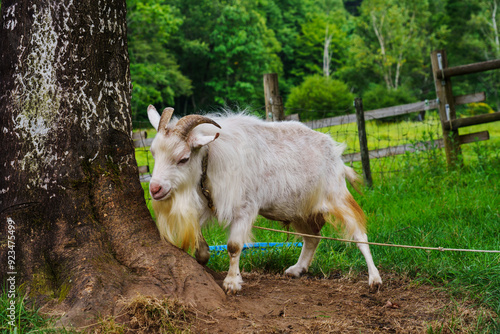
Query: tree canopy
(199, 54)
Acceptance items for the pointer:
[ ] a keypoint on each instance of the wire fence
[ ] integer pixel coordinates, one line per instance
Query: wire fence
(391, 141)
(394, 142)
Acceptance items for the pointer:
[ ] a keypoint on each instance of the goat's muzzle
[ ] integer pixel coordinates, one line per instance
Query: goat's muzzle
(157, 191)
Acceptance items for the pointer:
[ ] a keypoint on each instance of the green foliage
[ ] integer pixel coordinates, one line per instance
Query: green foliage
(478, 109)
(457, 15)
(310, 44)
(485, 20)
(392, 40)
(155, 74)
(199, 54)
(285, 17)
(243, 50)
(319, 97)
(378, 96)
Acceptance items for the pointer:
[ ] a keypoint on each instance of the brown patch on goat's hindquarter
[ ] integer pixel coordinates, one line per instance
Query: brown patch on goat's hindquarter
(346, 212)
(359, 215)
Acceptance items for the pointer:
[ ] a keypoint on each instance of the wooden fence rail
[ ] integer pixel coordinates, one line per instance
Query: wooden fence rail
(393, 111)
(468, 69)
(474, 120)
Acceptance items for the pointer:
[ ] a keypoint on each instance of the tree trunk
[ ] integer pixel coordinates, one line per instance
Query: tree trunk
(327, 55)
(69, 182)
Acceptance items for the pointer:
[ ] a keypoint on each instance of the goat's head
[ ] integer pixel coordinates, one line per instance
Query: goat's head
(172, 150)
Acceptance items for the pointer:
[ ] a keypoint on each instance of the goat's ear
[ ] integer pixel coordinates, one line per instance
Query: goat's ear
(199, 141)
(154, 117)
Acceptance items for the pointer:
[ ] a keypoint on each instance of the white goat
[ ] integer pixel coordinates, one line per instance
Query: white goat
(283, 171)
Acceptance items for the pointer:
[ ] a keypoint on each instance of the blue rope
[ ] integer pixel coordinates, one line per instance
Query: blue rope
(258, 245)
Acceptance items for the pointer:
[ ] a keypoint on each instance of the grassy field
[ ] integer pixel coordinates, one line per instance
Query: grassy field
(415, 200)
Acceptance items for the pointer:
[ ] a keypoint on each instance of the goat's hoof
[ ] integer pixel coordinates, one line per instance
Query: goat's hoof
(375, 285)
(295, 271)
(232, 285)
(202, 260)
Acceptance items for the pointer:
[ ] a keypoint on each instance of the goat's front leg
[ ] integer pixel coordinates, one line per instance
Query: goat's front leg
(202, 253)
(232, 282)
(239, 234)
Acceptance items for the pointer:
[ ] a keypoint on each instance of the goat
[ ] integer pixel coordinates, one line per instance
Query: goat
(283, 171)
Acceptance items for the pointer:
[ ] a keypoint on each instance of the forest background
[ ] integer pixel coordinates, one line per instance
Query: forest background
(197, 55)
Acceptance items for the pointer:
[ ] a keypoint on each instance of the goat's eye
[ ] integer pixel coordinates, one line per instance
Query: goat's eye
(183, 161)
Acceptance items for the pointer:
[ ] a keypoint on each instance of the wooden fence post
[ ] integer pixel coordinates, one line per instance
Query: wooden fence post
(363, 143)
(446, 107)
(274, 102)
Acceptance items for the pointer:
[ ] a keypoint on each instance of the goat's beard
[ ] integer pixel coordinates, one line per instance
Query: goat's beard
(178, 219)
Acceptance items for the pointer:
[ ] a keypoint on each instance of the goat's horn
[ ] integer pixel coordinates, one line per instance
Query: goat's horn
(187, 123)
(166, 115)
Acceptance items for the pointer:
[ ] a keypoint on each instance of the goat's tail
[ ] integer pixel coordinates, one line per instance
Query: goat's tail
(353, 178)
(344, 211)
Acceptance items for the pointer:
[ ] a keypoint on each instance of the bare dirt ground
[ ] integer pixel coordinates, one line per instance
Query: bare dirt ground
(277, 304)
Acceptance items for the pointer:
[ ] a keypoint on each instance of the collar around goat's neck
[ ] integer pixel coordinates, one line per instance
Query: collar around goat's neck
(203, 182)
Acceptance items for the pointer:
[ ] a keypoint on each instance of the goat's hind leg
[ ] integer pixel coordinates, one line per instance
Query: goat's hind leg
(354, 219)
(311, 226)
(374, 280)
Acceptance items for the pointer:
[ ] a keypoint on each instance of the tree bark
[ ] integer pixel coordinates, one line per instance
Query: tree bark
(84, 239)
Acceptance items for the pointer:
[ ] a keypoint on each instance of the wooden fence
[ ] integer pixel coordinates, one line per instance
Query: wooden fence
(444, 91)
(390, 112)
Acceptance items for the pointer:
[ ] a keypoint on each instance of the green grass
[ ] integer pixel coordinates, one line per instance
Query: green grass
(142, 154)
(26, 319)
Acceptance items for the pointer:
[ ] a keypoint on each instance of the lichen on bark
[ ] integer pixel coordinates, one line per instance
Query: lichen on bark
(37, 93)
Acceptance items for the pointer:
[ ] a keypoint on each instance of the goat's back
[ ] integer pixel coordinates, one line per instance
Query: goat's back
(279, 167)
